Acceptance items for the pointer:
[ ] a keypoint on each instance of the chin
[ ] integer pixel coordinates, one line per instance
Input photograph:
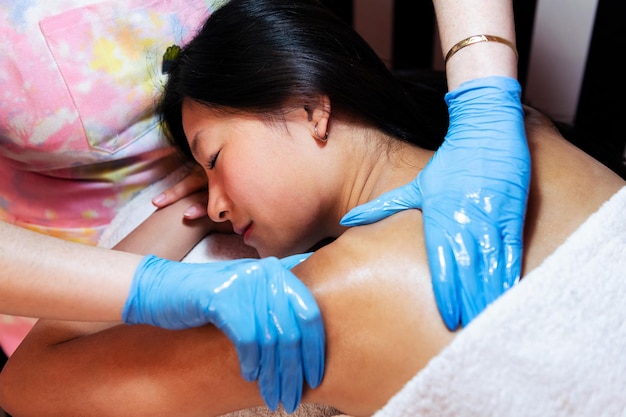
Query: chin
(265, 252)
(294, 249)
(279, 253)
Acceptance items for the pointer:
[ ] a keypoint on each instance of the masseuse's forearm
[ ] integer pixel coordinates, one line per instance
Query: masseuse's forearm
(42, 276)
(46, 277)
(458, 20)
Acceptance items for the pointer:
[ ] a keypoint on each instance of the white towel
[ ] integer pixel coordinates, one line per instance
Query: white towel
(555, 345)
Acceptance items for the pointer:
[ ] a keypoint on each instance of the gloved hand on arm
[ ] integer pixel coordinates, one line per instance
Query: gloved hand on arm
(473, 195)
(261, 306)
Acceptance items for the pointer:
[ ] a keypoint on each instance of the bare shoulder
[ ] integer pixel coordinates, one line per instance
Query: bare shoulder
(567, 186)
(382, 324)
(388, 247)
(552, 154)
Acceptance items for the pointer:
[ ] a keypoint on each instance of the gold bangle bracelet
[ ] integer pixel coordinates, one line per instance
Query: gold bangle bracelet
(476, 39)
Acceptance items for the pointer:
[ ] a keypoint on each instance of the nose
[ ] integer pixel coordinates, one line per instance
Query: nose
(218, 206)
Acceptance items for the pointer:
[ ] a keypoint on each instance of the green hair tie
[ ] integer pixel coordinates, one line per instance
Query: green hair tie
(170, 55)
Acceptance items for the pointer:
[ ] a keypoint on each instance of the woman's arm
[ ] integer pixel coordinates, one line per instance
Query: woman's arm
(42, 276)
(110, 372)
(458, 20)
(474, 190)
(75, 369)
(168, 234)
(115, 369)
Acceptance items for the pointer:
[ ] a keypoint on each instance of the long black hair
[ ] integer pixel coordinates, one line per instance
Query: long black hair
(259, 56)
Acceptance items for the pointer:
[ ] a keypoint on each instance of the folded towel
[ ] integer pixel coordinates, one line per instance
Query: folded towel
(552, 346)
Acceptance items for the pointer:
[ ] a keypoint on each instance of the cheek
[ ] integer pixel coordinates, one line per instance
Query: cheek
(278, 195)
(258, 179)
(252, 191)
(288, 224)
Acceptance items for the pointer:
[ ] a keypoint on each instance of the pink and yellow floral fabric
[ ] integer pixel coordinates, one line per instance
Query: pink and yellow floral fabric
(78, 137)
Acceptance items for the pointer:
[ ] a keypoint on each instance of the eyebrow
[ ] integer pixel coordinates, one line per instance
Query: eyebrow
(194, 144)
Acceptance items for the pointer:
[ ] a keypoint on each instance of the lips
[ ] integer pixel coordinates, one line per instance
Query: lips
(243, 231)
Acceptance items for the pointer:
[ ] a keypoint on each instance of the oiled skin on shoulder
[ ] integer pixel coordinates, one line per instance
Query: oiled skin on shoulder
(372, 285)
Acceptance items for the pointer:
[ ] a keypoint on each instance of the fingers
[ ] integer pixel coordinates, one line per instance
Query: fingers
(281, 375)
(269, 376)
(492, 269)
(309, 319)
(277, 331)
(291, 374)
(248, 359)
(498, 268)
(483, 269)
(513, 264)
(294, 260)
(301, 341)
(470, 281)
(443, 272)
(266, 319)
(294, 344)
(197, 208)
(194, 181)
(243, 332)
(289, 358)
(195, 211)
(313, 351)
(237, 314)
(406, 197)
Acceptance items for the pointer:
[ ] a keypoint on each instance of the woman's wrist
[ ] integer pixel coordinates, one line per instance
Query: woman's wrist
(166, 233)
(460, 20)
(474, 39)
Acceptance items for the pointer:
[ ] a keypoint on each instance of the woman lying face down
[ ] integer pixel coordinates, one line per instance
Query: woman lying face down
(254, 110)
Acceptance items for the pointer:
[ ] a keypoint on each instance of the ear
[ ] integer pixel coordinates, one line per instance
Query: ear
(319, 116)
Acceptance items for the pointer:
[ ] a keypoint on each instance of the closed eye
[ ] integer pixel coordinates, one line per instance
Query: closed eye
(212, 161)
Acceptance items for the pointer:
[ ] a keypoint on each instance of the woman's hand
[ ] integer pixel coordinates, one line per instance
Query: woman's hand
(473, 195)
(263, 308)
(194, 181)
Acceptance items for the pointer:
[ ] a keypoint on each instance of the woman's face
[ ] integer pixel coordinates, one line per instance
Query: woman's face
(262, 177)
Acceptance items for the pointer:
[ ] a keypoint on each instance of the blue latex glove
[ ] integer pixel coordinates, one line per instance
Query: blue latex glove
(263, 308)
(473, 195)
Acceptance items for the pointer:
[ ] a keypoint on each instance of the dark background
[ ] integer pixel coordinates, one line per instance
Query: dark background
(601, 106)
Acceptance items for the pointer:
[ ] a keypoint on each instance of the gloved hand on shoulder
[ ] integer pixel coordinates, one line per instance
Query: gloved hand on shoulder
(263, 308)
(473, 195)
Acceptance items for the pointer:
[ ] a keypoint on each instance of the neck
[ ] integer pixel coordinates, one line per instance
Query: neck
(375, 163)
